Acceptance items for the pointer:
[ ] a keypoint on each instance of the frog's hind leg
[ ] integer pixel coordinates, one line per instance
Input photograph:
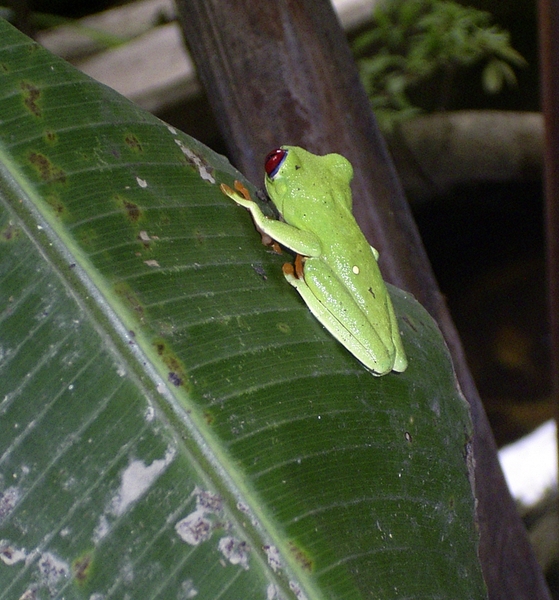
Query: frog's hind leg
(400, 360)
(329, 300)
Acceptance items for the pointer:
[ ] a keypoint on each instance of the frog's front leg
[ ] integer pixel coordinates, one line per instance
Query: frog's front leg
(301, 242)
(242, 196)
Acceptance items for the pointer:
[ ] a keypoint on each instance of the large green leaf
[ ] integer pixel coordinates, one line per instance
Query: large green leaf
(173, 421)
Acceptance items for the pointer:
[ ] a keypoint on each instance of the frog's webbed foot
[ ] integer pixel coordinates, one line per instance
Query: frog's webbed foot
(294, 272)
(240, 194)
(242, 197)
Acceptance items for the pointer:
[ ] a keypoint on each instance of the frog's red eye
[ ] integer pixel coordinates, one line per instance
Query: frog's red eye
(273, 161)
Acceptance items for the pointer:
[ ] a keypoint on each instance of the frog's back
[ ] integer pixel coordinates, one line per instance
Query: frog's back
(351, 259)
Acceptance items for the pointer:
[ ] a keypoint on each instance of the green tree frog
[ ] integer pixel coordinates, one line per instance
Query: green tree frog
(335, 271)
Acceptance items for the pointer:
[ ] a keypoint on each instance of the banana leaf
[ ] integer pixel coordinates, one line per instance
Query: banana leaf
(174, 423)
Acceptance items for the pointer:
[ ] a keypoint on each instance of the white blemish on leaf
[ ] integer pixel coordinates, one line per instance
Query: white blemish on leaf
(141, 182)
(172, 129)
(187, 590)
(150, 414)
(69, 483)
(272, 592)
(246, 510)
(198, 526)
(151, 263)
(52, 570)
(30, 593)
(273, 556)
(234, 550)
(195, 528)
(101, 529)
(194, 159)
(10, 555)
(8, 501)
(207, 501)
(127, 570)
(136, 480)
(297, 590)
(143, 235)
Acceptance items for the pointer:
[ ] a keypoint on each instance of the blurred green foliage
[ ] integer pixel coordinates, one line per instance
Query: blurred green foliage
(412, 42)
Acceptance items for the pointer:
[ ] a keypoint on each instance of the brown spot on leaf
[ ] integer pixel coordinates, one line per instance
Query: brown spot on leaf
(132, 210)
(133, 142)
(130, 298)
(50, 136)
(173, 362)
(55, 203)
(81, 568)
(9, 233)
(31, 97)
(175, 369)
(301, 557)
(48, 172)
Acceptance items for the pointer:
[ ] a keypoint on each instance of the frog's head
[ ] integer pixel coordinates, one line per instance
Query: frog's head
(293, 173)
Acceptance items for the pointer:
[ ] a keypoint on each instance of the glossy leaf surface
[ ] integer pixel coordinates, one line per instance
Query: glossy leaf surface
(173, 421)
